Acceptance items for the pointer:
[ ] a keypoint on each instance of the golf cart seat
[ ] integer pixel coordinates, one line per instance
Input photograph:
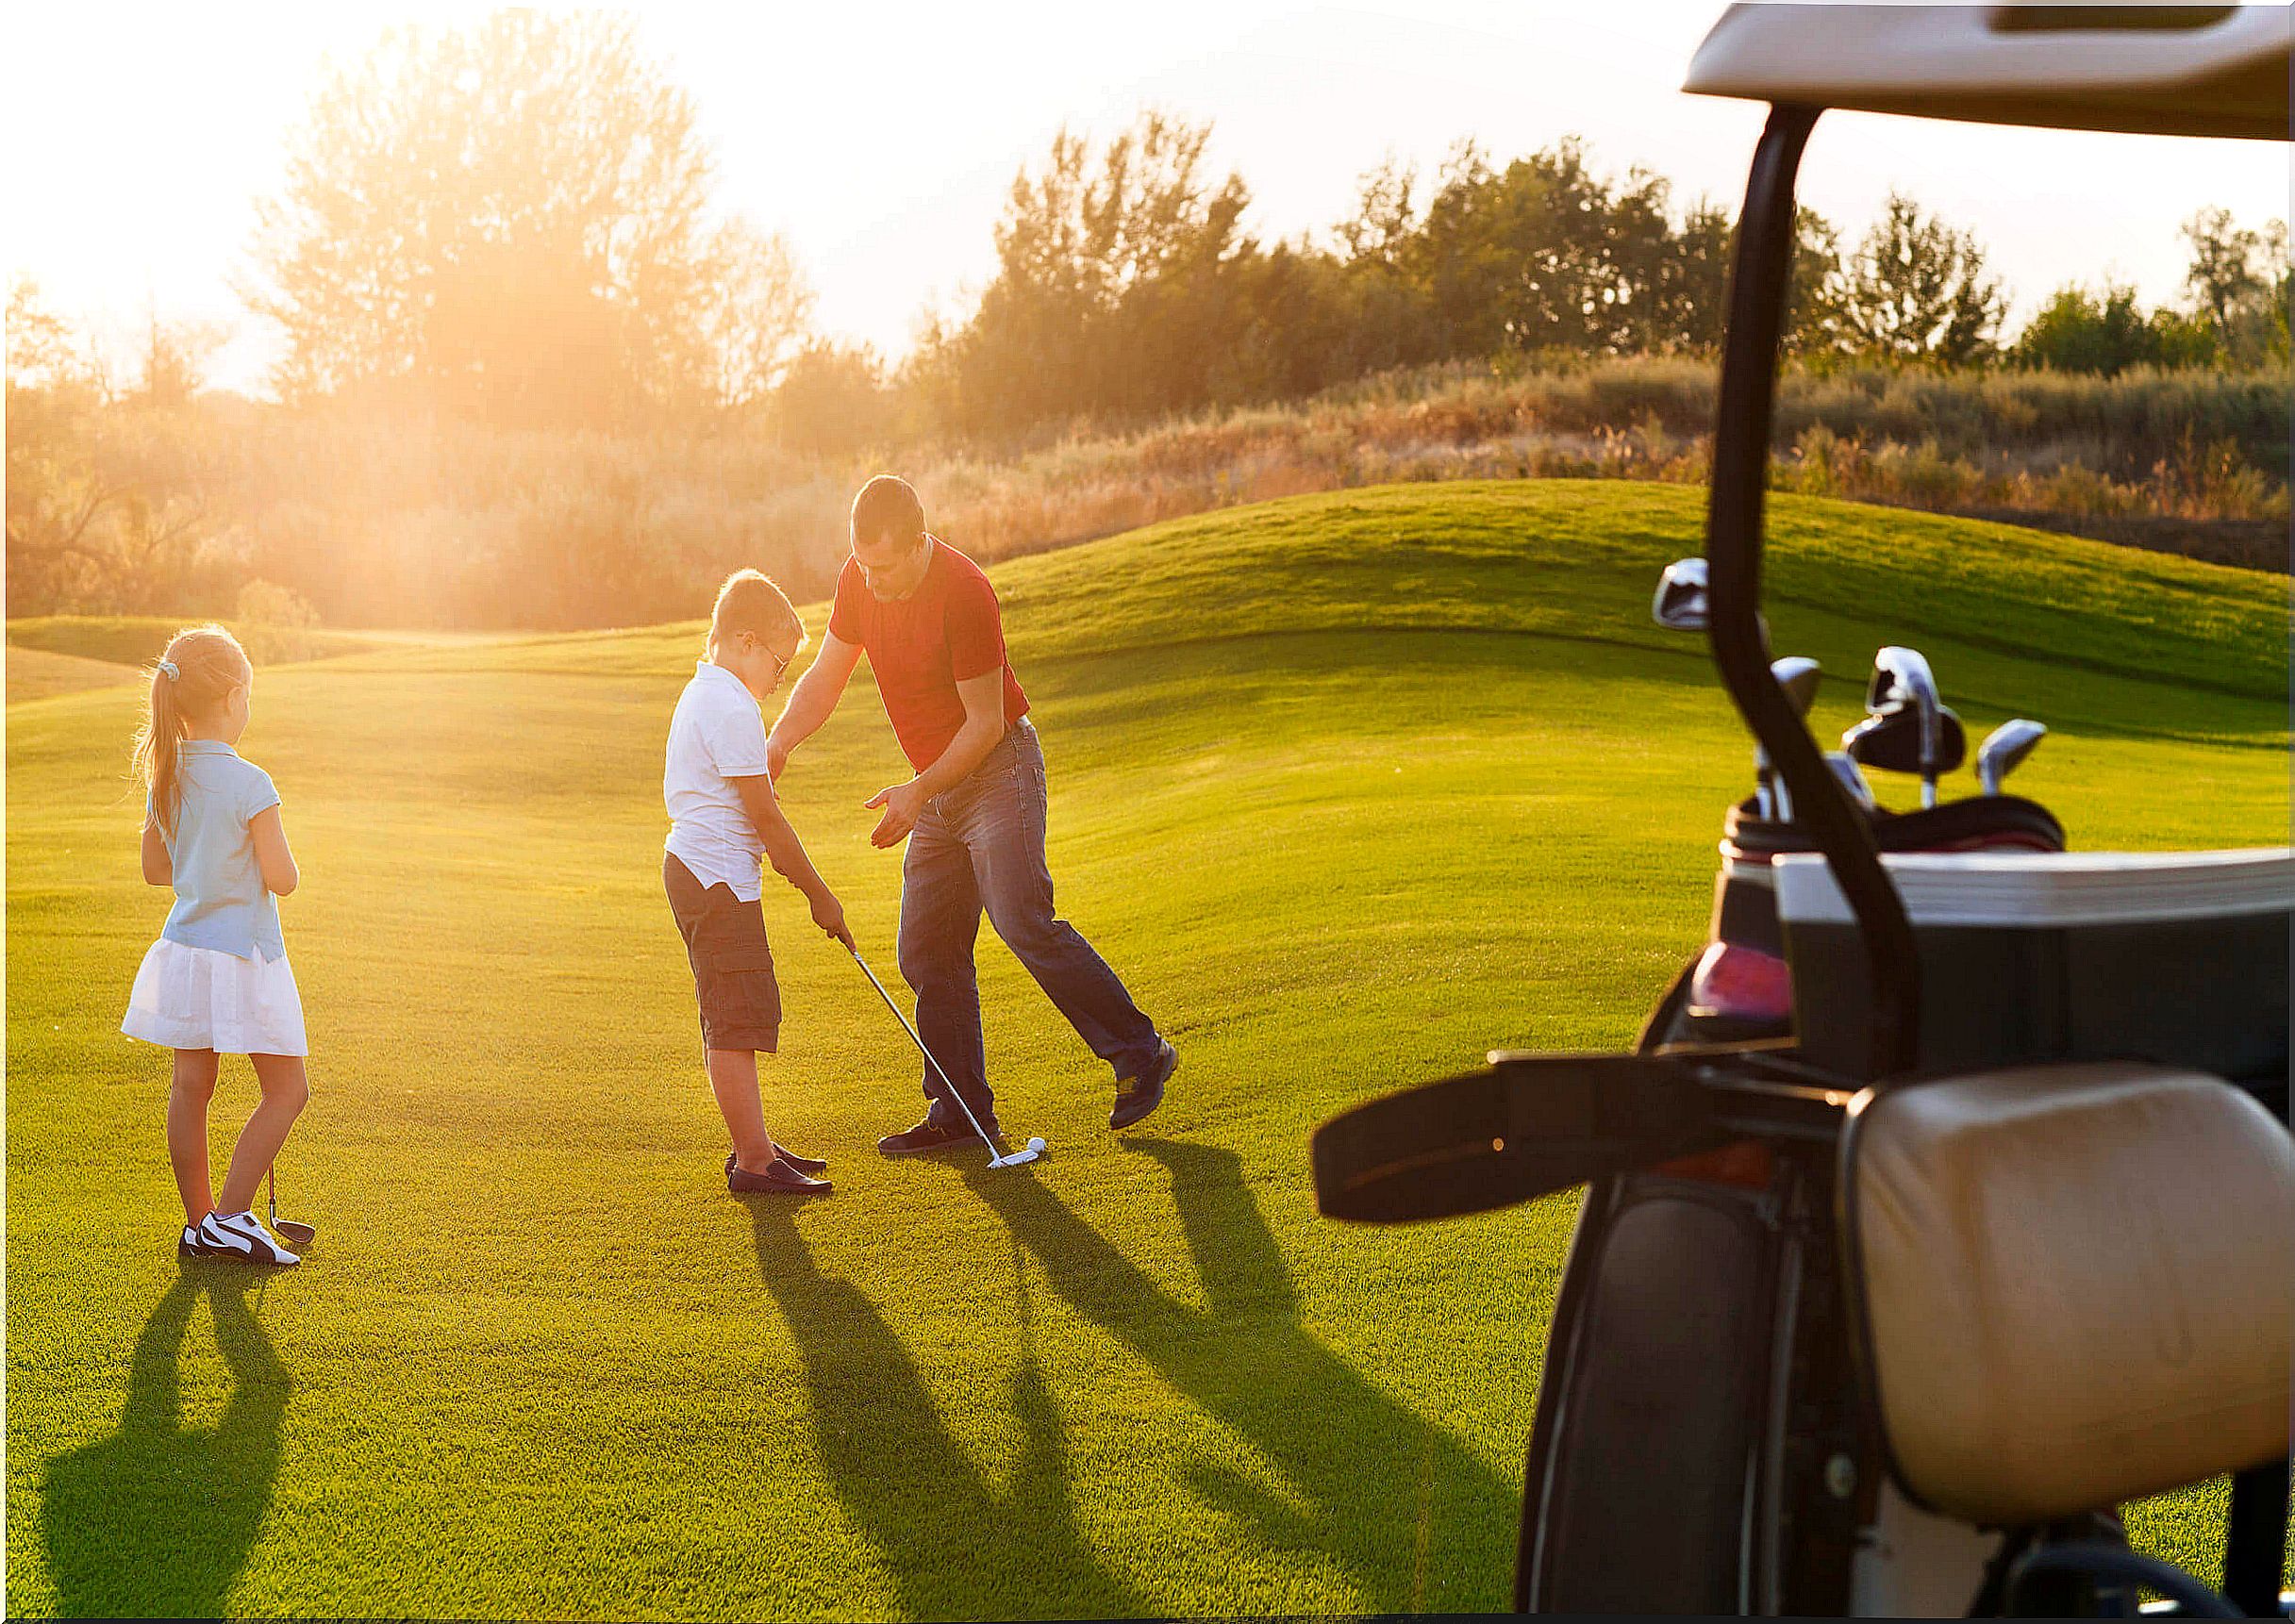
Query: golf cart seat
(2029, 1246)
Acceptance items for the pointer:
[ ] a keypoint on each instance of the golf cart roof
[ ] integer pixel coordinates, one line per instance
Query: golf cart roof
(2151, 70)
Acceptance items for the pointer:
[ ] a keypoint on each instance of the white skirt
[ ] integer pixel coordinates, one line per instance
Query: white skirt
(200, 997)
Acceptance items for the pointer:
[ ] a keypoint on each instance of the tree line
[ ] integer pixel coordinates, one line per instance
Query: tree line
(515, 226)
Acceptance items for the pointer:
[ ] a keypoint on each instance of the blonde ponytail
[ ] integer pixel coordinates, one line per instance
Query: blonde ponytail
(191, 683)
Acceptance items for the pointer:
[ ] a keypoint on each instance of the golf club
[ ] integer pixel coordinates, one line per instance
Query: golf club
(1893, 740)
(2005, 749)
(1845, 769)
(997, 1158)
(1798, 676)
(1679, 604)
(1901, 675)
(293, 1233)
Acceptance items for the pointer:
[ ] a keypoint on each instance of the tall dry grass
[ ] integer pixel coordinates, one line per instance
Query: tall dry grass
(381, 522)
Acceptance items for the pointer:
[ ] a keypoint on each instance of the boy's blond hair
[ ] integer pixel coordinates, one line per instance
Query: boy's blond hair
(749, 602)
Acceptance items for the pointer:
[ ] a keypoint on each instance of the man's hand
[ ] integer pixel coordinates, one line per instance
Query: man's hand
(903, 803)
(777, 756)
(828, 912)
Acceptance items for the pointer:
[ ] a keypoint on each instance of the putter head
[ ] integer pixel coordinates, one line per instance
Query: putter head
(1890, 740)
(1027, 1152)
(1680, 603)
(2005, 749)
(1798, 676)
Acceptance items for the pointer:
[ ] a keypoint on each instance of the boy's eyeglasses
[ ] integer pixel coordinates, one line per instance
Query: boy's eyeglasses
(779, 664)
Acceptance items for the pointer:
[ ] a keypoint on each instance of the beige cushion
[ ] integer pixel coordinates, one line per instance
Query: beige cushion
(2079, 1281)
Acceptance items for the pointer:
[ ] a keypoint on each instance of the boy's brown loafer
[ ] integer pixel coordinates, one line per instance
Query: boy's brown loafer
(779, 1179)
(813, 1164)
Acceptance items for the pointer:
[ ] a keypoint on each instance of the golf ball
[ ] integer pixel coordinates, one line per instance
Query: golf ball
(1036, 1144)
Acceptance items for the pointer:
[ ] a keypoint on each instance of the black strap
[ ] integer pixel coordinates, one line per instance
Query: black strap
(2256, 1542)
(1526, 1127)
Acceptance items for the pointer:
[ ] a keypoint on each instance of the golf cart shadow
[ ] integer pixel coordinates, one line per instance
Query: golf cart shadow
(1363, 1464)
(954, 1546)
(158, 1518)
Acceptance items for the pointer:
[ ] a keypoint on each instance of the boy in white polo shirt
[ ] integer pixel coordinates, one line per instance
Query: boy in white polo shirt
(723, 818)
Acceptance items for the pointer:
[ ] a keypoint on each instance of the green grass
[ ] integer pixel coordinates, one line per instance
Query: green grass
(1350, 788)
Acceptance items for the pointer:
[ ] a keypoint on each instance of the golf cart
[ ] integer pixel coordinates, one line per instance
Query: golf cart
(1885, 1309)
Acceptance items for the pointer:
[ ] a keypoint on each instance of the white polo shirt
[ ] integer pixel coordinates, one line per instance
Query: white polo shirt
(717, 734)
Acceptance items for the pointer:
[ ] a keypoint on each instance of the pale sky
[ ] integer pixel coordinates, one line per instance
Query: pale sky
(880, 138)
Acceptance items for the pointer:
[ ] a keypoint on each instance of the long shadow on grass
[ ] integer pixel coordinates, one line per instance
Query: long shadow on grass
(158, 1519)
(954, 1546)
(1397, 1501)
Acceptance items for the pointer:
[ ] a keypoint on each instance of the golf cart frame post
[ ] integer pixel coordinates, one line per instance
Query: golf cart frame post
(1758, 289)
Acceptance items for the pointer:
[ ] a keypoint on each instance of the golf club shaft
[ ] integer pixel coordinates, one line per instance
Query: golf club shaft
(993, 1149)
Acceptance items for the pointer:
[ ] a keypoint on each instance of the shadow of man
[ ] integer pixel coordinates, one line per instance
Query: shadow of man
(954, 1546)
(156, 1520)
(1382, 1485)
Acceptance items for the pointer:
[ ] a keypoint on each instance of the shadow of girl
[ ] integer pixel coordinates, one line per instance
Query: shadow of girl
(953, 1546)
(1417, 1519)
(156, 1520)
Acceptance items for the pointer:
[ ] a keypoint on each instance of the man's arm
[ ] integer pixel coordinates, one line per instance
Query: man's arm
(787, 854)
(812, 700)
(903, 803)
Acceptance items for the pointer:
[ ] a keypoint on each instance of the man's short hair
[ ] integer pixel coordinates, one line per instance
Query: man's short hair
(888, 507)
(749, 602)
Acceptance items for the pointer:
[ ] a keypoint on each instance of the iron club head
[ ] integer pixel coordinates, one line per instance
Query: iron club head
(1027, 1152)
(1680, 603)
(288, 1229)
(1798, 676)
(2005, 749)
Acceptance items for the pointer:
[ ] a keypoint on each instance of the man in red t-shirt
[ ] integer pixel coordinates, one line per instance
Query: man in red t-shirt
(973, 815)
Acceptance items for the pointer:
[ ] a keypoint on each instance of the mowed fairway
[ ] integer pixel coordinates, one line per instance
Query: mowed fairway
(1350, 788)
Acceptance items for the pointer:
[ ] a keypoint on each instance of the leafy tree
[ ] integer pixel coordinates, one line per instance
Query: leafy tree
(1112, 292)
(512, 221)
(756, 315)
(2079, 332)
(833, 400)
(2237, 282)
(42, 349)
(1915, 290)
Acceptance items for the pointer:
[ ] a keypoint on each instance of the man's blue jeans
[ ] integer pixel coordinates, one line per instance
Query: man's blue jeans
(981, 846)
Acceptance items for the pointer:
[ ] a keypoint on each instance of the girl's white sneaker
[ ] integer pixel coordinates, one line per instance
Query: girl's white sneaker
(241, 1238)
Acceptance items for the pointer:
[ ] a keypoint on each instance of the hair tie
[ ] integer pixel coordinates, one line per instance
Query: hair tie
(169, 669)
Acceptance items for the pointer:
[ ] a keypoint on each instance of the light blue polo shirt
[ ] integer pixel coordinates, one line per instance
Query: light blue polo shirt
(221, 901)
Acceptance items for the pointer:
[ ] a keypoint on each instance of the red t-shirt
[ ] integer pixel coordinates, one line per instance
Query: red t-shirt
(946, 632)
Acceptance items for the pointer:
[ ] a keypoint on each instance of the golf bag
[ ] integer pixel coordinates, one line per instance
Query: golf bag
(1740, 989)
(1739, 1410)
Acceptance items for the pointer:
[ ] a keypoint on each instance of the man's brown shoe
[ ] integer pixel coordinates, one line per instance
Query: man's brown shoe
(1136, 1096)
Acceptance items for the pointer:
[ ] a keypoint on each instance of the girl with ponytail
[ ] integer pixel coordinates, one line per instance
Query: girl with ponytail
(216, 981)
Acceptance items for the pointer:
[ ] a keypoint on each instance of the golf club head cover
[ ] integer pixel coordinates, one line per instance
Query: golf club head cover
(1527, 1126)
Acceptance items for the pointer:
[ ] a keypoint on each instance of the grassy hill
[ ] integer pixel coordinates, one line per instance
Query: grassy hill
(48, 654)
(1350, 788)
